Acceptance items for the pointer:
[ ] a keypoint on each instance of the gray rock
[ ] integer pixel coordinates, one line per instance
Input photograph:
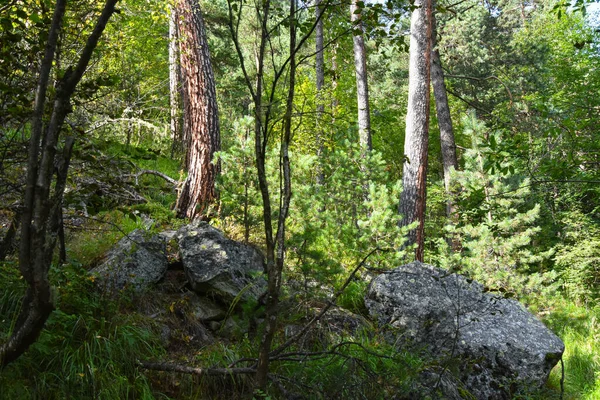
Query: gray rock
(502, 347)
(342, 322)
(165, 335)
(230, 329)
(205, 310)
(136, 261)
(336, 325)
(218, 266)
(168, 235)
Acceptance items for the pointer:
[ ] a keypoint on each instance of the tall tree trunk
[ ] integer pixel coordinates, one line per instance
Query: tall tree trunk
(42, 204)
(362, 89)
(449, 159)
(448, 144)
(320, 75)
(175, 96)
(201, 113)
(414, 178)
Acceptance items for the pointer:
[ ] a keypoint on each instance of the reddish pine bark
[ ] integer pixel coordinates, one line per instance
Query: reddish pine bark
(201, 120)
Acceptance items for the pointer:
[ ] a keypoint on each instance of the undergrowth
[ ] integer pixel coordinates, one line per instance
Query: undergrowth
(91, 344)
(88, 349)
(579, 328)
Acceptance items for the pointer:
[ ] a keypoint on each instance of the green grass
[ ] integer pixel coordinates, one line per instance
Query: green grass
(87, 349)
(89, 243)
(579, 328)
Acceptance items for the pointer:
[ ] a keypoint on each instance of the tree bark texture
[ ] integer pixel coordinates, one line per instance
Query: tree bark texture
(175, 96)
(42, 205)
(413, 198)
(449, 160)
(362, 88)
(201, 123)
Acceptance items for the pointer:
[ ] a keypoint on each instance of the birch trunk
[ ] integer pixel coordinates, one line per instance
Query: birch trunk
(175, 84)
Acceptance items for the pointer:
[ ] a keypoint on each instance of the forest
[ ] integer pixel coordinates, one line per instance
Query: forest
(311, 149)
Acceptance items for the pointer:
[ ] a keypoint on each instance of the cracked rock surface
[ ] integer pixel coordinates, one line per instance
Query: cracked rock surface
(138, 261)
(502, 347)
(220, 266)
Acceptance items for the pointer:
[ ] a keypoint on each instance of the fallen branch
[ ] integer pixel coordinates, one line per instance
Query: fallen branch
(332, 351)
(155, 173)
(169, 367)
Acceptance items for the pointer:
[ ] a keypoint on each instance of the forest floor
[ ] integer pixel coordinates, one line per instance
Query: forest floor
(91, 345)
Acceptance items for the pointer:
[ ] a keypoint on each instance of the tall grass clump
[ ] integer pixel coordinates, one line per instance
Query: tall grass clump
(87, 349)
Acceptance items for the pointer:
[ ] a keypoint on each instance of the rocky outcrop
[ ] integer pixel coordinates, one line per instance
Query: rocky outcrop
(136, 261)
(218, 266)
(215, 266)
(502, 348)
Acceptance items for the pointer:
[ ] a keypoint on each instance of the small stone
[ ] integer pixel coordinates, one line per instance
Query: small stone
(205, 310)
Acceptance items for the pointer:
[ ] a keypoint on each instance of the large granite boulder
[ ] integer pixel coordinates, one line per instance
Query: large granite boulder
(220, 267)
(136, 261)
(501, 347)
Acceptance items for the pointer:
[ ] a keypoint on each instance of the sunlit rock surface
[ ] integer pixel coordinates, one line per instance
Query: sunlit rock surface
(501, 347)
(219, 266)
(136, 261)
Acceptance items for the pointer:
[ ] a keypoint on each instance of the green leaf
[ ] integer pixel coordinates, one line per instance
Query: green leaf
(493, 143)
(36, 18)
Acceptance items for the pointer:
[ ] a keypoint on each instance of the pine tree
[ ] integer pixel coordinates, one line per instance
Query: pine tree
(497, 220)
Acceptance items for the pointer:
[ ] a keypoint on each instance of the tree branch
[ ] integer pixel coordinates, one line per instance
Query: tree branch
(168, 367)
(329, 304)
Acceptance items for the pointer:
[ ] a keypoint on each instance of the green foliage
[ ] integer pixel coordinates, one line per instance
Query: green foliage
(87, 350)
(353, 298)
(496, 221)
(240, 201)
(132, 107)
(578, 258)
(22, 40)
(579, 328)
(352, 213)
(332, 226)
